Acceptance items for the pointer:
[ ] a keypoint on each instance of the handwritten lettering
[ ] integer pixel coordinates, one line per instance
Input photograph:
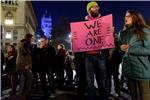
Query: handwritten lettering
(94, 24)
(92, 35)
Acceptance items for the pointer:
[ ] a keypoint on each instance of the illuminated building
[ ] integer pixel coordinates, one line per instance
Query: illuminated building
(46, 25)
(17, 19)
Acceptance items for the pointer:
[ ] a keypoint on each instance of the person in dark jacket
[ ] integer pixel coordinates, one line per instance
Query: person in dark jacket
(80, 73)
(35, 65)
(115, 59)
(68, 68)
(135, 42)
(60, 58)
(47, 57)
(10, 68)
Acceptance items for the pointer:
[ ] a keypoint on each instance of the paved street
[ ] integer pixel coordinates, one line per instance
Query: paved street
(66, 93)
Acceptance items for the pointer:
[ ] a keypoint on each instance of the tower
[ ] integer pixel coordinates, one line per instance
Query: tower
(46, 25)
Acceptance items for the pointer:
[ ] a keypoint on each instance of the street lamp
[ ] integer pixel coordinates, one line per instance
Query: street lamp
(9, 19)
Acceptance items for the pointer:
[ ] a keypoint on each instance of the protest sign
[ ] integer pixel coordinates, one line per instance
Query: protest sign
(92, 35)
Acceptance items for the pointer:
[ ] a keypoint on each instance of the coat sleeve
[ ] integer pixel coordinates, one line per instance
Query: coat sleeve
(139, 51)
(19, 61)
(22, 60)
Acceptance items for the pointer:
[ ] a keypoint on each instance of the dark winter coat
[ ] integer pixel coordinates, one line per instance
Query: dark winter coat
(10, 64)
(61, 55)
(47, 57)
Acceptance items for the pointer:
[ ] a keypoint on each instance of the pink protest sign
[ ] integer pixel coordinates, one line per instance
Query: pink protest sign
(92, 35)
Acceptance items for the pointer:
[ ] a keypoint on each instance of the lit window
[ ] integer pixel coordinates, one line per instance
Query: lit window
(8, 35)
(9, 19)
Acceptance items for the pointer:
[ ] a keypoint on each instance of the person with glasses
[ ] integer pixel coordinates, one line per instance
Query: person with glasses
(135, 42)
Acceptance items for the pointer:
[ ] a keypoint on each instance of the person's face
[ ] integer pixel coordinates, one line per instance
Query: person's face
(94, 11)
(128, 19)
(9, 49)
(59, 47)
(32, 40)
(43, 42)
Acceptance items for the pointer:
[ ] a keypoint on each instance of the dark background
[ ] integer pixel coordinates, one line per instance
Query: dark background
(64, 12)
(74, 11)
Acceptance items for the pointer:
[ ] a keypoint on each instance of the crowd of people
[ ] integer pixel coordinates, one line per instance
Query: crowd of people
(54, 68)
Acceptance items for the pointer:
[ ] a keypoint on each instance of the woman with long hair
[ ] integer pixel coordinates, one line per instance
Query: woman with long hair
(135, 42)
(11, 67)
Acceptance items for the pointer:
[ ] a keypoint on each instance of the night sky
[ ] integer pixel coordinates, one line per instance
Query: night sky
(75, 11)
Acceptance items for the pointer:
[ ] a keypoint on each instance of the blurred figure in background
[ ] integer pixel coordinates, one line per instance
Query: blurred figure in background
(68, 67)
(10, 68)
(24, 65)
(35, 65)
(80, 73)
(2, 62)
(60, 59)
(115, 59)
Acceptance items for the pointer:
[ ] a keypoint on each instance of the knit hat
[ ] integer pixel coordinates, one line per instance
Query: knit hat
(90, 4)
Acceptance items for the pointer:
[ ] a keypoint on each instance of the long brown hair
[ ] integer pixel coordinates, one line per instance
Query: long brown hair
(138, 24)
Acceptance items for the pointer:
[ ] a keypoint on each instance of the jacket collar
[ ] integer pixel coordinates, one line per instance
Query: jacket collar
(88, 17)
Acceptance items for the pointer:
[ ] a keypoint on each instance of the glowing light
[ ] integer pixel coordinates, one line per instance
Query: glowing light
(46, 25)
(39, 41)
(69, 36)
(8, 35)
(9, 21)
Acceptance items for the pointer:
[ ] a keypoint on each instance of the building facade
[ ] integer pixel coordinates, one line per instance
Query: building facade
(17, 19)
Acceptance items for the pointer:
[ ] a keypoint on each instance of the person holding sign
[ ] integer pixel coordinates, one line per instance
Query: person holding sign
(135, 42)
(95, 62)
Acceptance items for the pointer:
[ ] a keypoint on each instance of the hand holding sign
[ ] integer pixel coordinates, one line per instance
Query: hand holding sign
(92, 35)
